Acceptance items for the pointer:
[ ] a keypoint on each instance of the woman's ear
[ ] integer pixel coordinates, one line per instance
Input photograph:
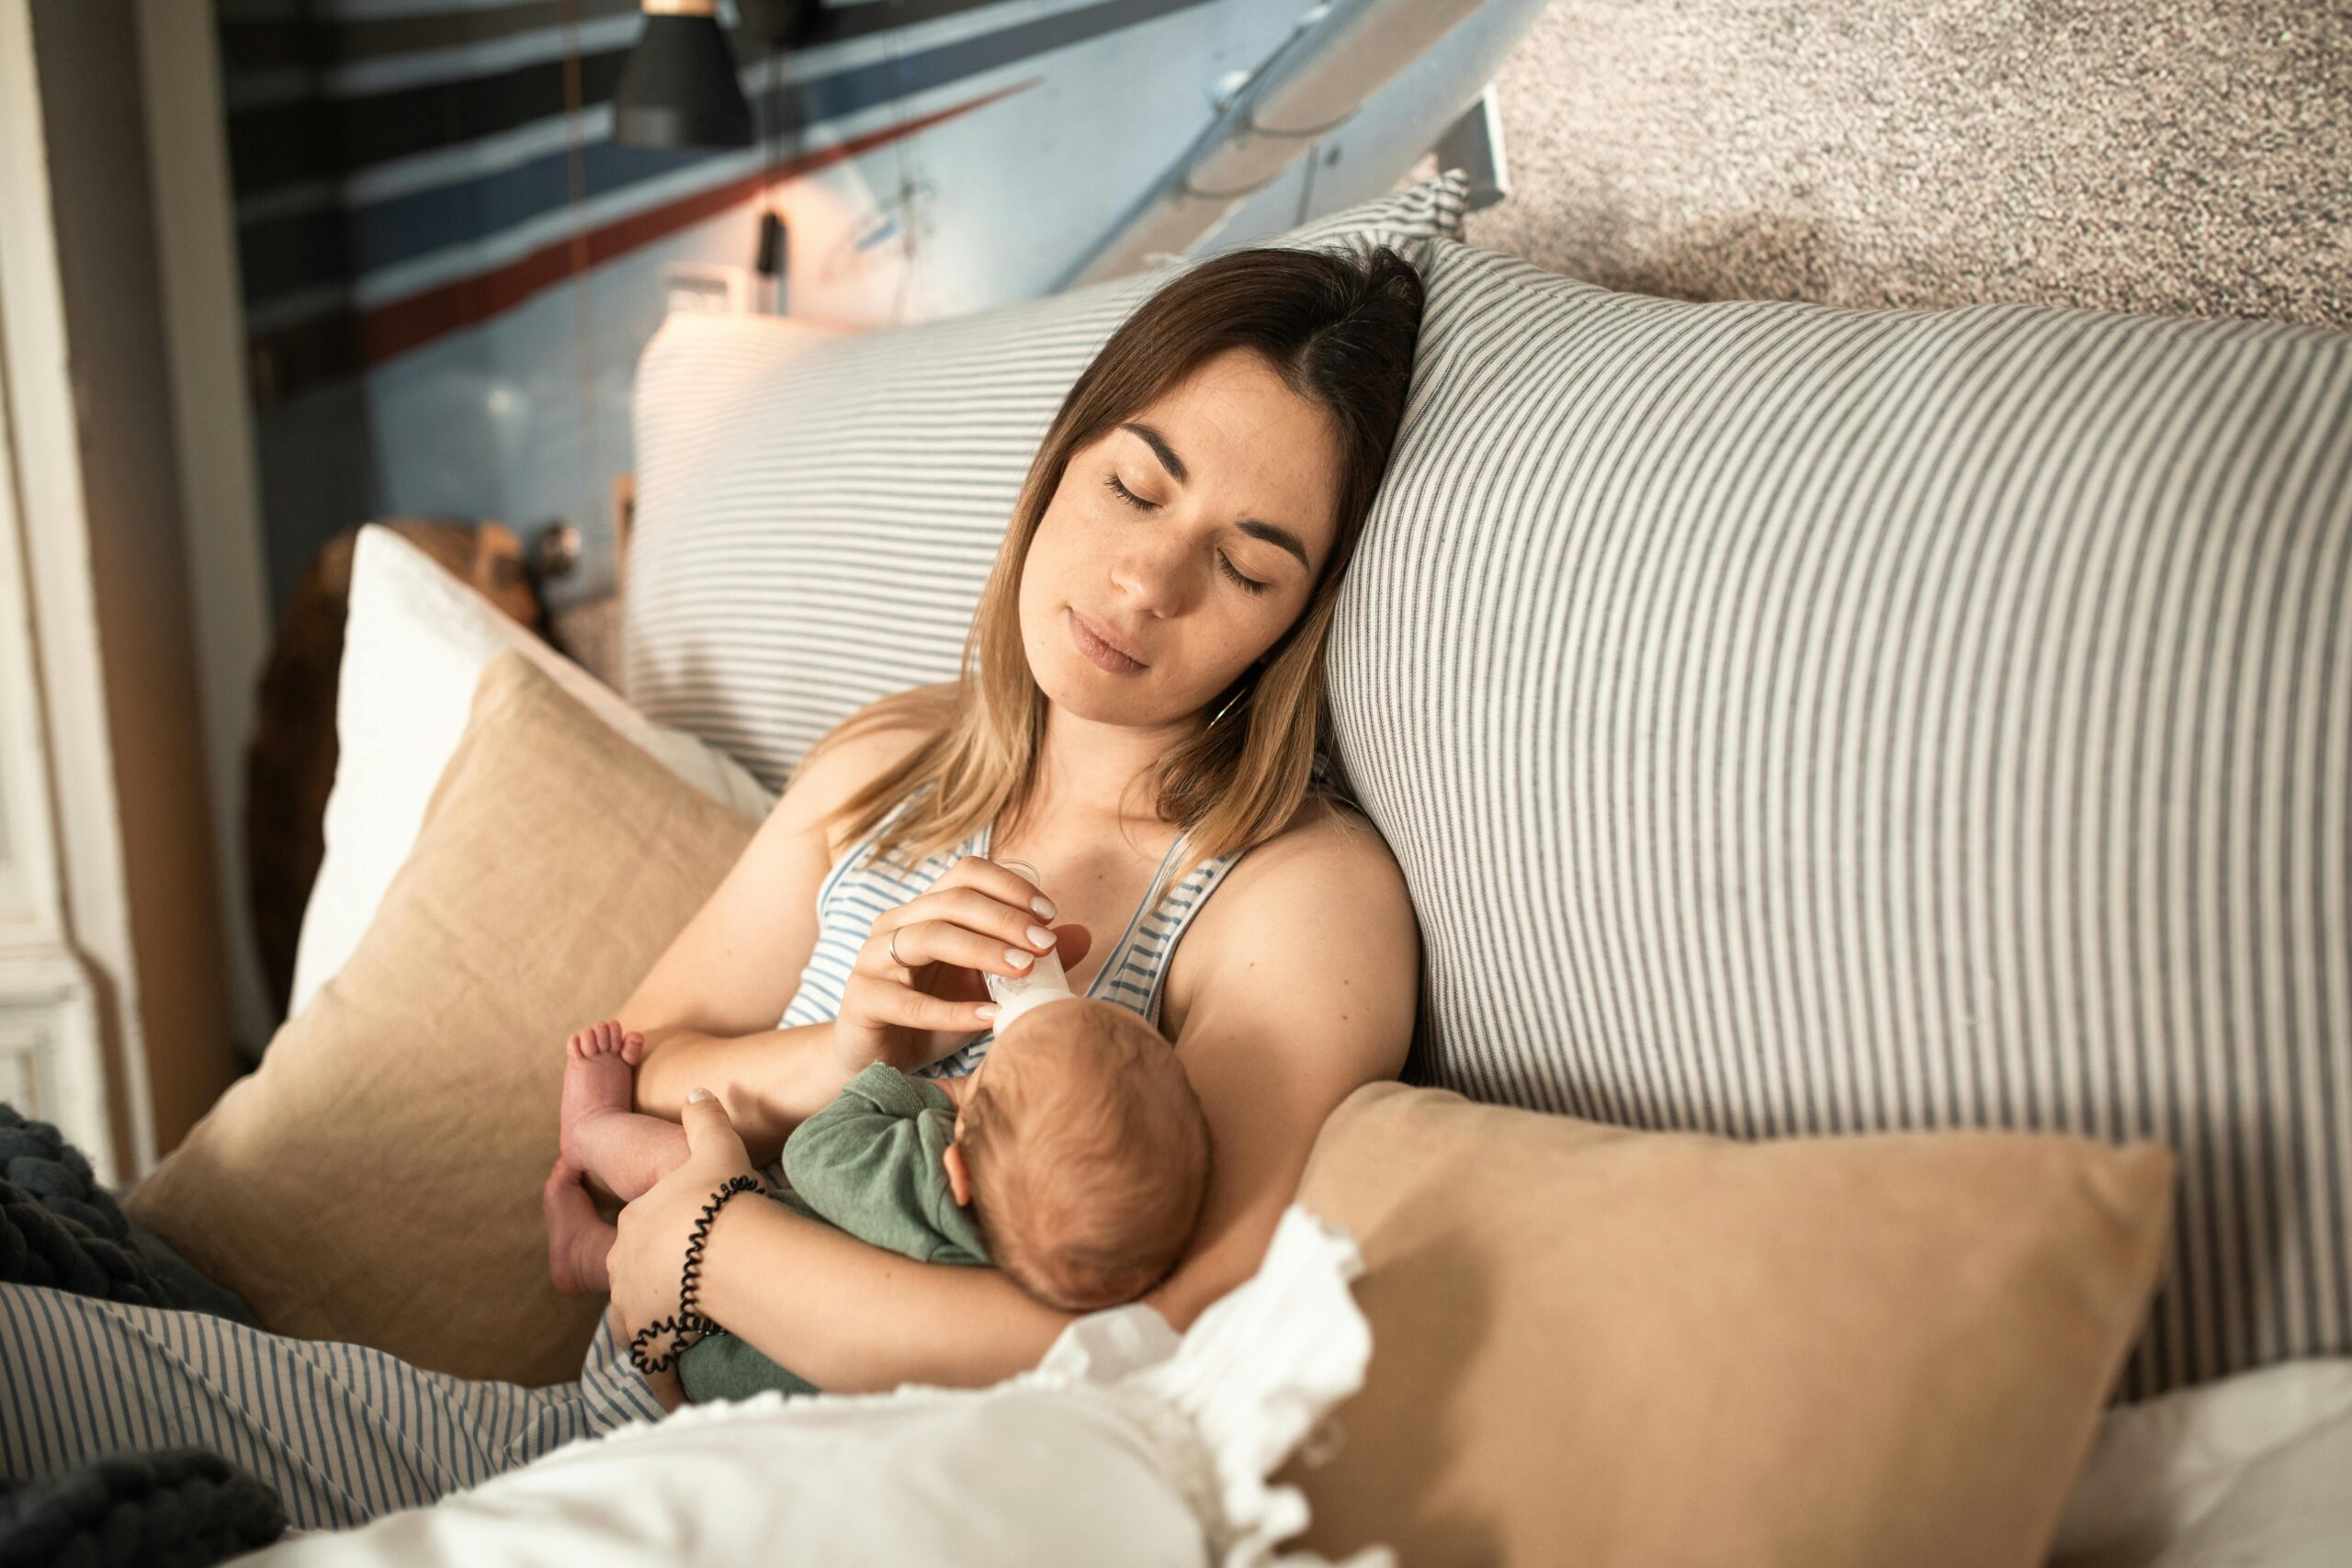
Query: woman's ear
(959, 1175)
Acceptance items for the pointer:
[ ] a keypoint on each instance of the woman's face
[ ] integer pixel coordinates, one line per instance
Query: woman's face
(1191, 535)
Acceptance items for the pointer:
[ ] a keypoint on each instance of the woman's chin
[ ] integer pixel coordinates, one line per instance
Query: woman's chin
(1095, 707)
(1100, 698)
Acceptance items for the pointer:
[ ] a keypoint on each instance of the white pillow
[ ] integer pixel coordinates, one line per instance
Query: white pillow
(1126, 1445)
(414, 647)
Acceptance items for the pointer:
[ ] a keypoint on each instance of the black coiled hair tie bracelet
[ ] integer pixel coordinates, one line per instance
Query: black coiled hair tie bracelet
(690, 1325)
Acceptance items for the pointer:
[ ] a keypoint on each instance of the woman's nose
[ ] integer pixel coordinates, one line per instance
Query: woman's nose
(1156, 579)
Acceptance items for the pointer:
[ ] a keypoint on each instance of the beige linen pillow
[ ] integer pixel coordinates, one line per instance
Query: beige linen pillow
(378, 1178)
(1597, 1346)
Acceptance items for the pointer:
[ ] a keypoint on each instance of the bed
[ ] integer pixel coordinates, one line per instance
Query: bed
(1796, 1201)
(1890, 764)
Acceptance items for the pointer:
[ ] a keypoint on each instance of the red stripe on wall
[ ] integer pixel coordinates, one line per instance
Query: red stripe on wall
(347, 342)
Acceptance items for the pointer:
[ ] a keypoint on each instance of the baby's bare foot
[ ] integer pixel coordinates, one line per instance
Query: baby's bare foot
(598, 1077)
(577, 1240)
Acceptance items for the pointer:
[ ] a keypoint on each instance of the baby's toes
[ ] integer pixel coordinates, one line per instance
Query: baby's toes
(632, 1048)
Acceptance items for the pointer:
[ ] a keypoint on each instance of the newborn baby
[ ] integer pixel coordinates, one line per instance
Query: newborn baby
(1074, 1158)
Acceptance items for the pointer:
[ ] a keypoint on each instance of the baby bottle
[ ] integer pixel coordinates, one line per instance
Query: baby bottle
(1043, 983)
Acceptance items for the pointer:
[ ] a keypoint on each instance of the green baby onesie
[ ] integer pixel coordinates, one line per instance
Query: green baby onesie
(870, 1163)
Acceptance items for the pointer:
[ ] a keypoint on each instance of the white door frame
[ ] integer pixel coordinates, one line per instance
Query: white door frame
(204, 324)
(73, 920)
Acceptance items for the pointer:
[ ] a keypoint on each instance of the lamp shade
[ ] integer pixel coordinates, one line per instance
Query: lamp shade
(679, 87)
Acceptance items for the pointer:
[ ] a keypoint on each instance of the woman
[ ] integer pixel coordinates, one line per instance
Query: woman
(1146, 672)
(1144, 690)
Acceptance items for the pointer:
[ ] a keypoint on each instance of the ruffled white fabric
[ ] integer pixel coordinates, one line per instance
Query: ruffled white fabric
(2252, 1471)
(1127, 1444)
(1232, 1399)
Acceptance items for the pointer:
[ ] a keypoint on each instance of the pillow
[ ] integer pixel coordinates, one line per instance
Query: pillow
(413, 646)
(1597, 1345)
(376, 1179)
(1792, 720)
(815, 521)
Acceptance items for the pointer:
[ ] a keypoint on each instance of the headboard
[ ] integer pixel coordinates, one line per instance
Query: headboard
(2192, 159)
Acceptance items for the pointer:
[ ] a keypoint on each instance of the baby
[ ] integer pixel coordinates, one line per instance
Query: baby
(1074, 1158)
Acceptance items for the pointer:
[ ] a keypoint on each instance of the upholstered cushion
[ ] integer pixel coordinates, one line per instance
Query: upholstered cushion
(378, 1178)
(1602, 1347)
(815, 519)
(1793, 720)
(414, 647)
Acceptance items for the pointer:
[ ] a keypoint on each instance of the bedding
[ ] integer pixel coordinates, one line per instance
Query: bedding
(1793, 721)
(60, 1228)
(376, 1179)
(1789, 720)
(414, 646)
(815, 521)
(1812, 723)
(1126, 1445)
(1599, 1346)
(2247, 1472)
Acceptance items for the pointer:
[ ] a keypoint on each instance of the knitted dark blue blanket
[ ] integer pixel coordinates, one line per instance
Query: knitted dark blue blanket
(184, 1506)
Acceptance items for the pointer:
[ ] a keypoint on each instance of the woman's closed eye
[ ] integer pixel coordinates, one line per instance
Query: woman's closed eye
(1224, 562)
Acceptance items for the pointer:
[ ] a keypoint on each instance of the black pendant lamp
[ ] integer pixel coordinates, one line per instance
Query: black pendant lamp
(679, 87)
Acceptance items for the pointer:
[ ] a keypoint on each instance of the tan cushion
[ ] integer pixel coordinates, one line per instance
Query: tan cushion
(1596, 1346)
(378, 1178)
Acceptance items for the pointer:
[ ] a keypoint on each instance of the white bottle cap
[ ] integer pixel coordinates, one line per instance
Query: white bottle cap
(1045, 982)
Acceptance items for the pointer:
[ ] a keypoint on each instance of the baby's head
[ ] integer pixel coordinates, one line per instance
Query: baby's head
(1082, 1151)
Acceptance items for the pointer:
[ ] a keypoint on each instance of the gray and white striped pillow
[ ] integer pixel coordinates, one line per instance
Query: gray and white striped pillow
(815, 521)
(1795, 720)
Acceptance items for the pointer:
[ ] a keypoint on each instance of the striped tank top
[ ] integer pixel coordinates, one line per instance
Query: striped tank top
(859, 887)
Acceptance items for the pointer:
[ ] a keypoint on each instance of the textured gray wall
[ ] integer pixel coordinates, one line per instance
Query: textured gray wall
(2193, 159)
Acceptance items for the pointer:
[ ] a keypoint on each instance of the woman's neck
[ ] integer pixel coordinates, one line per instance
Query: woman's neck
(1100, 777)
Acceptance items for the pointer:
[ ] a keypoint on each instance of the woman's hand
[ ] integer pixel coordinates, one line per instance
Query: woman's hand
(913, 1011)
(648, 1258)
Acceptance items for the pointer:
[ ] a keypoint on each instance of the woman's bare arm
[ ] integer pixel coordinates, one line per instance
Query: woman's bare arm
(1306, 994)
(770, 1080)
(708, 1007)
(853, 1319)
(1272, 1047)
(850, 1318)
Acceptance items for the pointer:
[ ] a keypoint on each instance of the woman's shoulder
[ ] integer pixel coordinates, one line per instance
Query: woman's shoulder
(1329, 877)
(1330, 860)
(1329, 843)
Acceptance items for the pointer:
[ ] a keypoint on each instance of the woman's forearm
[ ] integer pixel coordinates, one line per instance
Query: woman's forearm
(770, 1082)
(855, 1319)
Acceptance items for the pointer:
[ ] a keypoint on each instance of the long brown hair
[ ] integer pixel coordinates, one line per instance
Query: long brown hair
(1340, 328)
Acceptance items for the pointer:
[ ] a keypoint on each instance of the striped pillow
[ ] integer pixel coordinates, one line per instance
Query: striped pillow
(815, 522)
(1795, 720)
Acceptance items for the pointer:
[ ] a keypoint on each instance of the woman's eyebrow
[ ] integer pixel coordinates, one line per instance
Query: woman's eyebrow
(1164, 452)
(1272, 532)
(1275, 534)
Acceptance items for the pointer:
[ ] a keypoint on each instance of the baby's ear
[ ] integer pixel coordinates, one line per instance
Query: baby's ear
(959, 1175)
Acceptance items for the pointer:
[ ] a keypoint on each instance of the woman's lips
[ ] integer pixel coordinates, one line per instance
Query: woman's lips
(1089, 643)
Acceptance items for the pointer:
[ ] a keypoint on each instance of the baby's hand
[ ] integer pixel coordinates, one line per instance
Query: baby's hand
(607, 1038)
